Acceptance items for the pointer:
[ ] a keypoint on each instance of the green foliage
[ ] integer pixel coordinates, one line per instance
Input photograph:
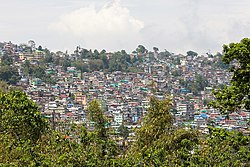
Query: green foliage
(37, 71)
(6, 60)
(176, 73)
(158, 143)
(237, 94)
(123, 131)
(80, 65)
(96, 115)
(5, 88)
(222, 148)
(192, 53)
(9, 74)
(95, 65)
(100, 142)
(141, 49)
(25, 139)
(52, 149)
(177, 61)
(157, 121)
(219, 62)
(134, 69)
(206, 102)
(119, 61)
(48, 57)
(20, 116)
(105, 61)
(24, 143)
(155, 49)
(200, 82)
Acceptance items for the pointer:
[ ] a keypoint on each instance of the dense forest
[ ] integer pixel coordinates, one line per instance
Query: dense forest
(26, 139)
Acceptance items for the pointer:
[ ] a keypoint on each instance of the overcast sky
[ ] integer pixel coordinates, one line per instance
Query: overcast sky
(174, 25)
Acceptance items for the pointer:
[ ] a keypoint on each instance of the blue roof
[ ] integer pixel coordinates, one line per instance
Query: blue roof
(204, 115)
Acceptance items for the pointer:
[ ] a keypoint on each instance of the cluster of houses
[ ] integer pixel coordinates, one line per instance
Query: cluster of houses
(125, 96)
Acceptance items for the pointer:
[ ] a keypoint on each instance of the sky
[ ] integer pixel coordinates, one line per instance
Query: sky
(174, 25)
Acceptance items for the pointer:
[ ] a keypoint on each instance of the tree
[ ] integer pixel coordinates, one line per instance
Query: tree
(6, 60)
(9, 74)
(96, 54)
(222, 148)
(158, 142)
(95, 64)
(20, 117)
(157, 121)
(32, 45)
(200, 82)
(141, 49)
(80, 65)
(153, 86)
(192, 53)
(155, 49)
(6, 88)
(237, 95)
(124, 133)
(219, 63)
(105, 61)
(23, 141)
(48, 58)
(177, 61)
(119, 61)
(99, 139)
(95, 114)
(84, 53)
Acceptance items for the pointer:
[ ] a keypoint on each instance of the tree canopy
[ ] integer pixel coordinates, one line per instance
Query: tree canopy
(20, 117)
(192, 53)
(9, 74)
(236, 95)
(157, 143)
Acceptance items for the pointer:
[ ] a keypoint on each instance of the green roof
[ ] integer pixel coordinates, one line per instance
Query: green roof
(114, 85)
(204, 110)
(124, 81)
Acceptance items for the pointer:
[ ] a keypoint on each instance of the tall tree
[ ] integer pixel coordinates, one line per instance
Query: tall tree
(158, 142)
(20, 116)
(96, 115)
(237, 95)
(32, 45)
(99, 139)
(158, 121)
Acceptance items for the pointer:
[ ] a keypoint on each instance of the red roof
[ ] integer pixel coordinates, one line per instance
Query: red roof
(63, 96)
(69, 114)
(243, 114)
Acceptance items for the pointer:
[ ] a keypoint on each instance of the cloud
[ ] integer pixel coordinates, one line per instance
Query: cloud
(207, 25)
(177, 26)
(111, 26)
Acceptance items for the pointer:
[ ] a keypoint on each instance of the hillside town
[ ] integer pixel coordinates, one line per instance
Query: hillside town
(124, 95)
